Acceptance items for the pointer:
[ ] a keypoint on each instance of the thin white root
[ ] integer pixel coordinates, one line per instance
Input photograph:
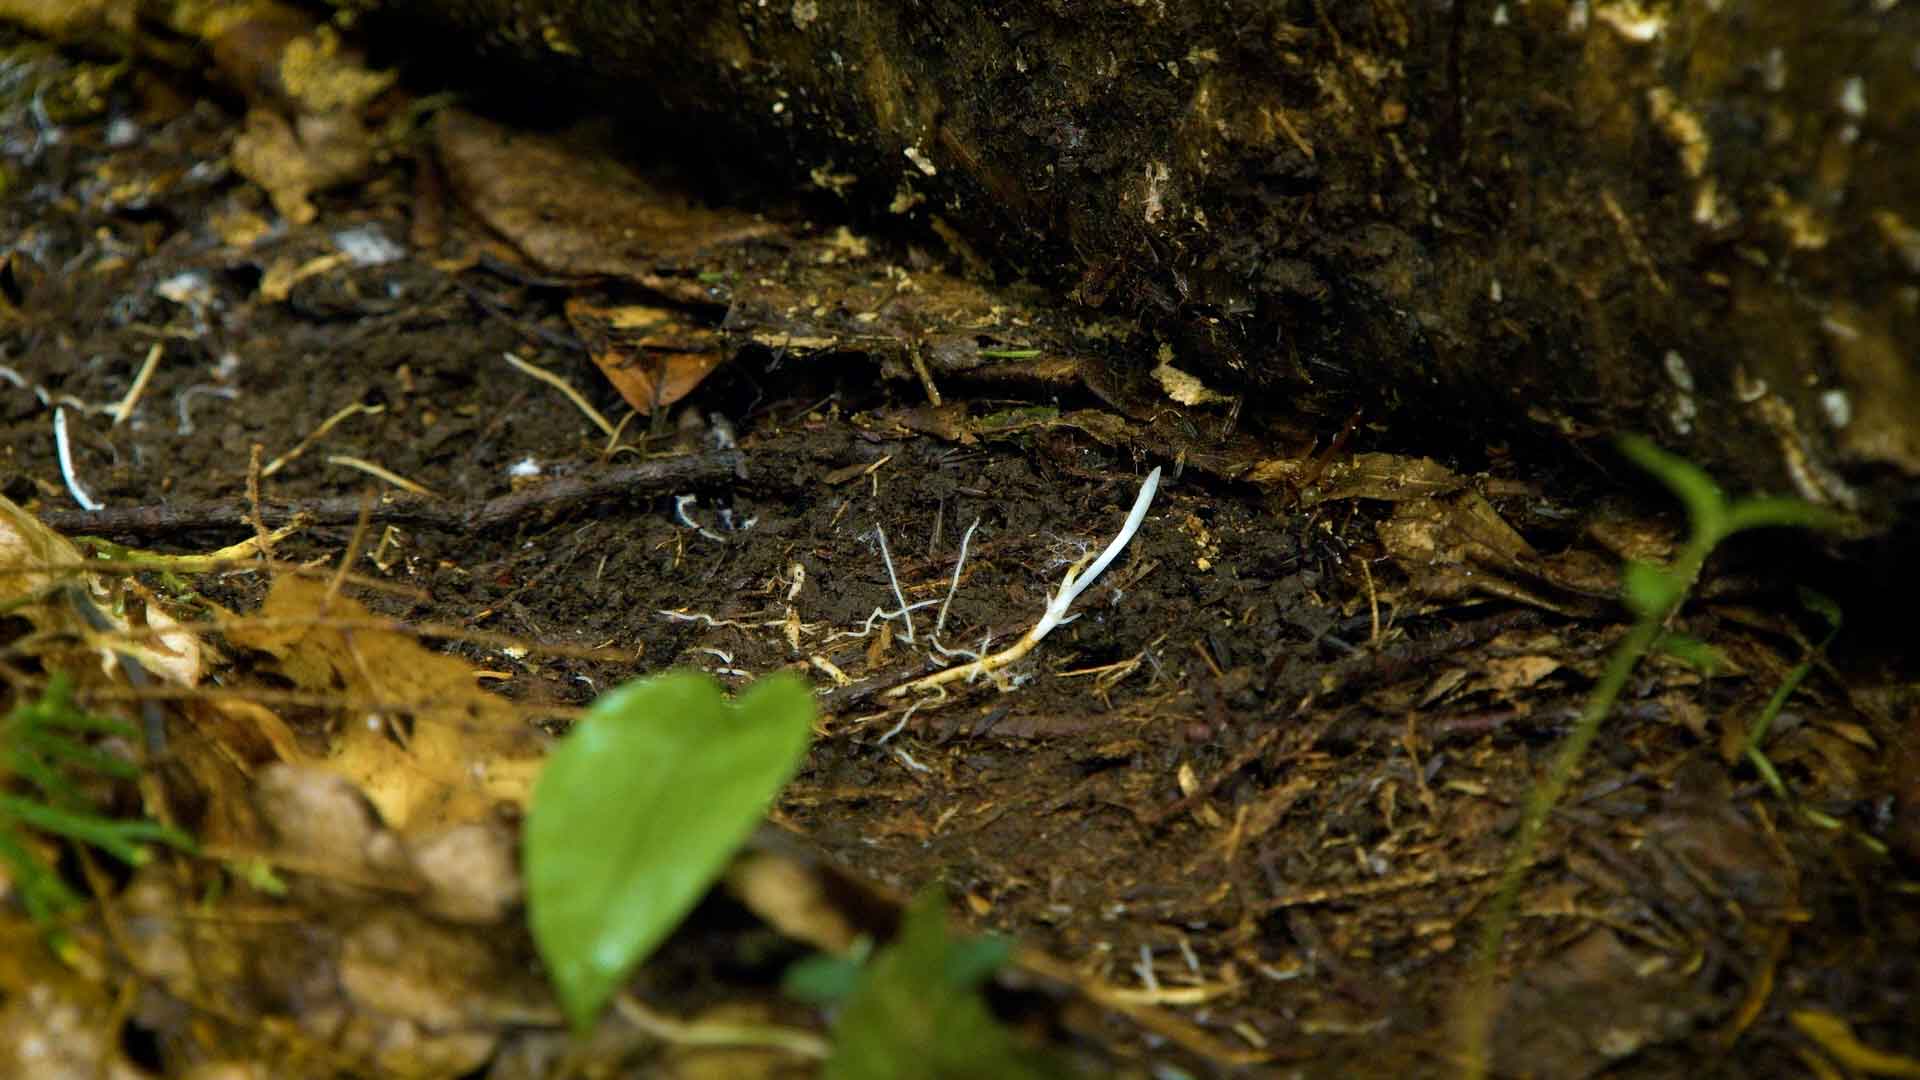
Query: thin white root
(953, 586)
(906, 613)
(1074, 584)
(65, 452)
(877, 616)
(904, 717)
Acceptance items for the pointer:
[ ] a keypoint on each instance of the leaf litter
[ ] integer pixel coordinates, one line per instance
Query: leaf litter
(1327, 673)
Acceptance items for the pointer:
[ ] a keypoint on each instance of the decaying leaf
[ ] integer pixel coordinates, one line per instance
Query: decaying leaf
(572, 210)
(1183, 387)
(1593, 1004)
(1386, 477)
(654, 356)
(423, 741)
(304, 131)
(40, 564)
(575, 212)
(1458, 545)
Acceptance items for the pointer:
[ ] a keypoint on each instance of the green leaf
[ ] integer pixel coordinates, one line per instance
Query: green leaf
(1780, 511)
(919, 1013)
(38, 747)
(124, 840)
(1706, 505)
(1822, 605)
(1767, 772)
(825, 978)
(973, 961)
(41, 890)
(638, 810)
(1695, 653)
(1649, 591)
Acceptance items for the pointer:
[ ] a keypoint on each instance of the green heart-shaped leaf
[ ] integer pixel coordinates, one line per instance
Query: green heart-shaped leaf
(639, 809)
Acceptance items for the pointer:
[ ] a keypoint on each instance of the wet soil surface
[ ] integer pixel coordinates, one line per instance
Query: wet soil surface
(1257, 793)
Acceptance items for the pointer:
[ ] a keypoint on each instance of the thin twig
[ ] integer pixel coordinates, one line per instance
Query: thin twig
(579, 400)
(125, 408)
(382, 472)
(240, 556)
(434, 631)
(360, 527)
(320, 432)
(794, 1041)
(262, 537)
(550, 498)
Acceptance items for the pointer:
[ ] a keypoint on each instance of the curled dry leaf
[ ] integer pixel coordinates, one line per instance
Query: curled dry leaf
(654, 356)
(1458, 545)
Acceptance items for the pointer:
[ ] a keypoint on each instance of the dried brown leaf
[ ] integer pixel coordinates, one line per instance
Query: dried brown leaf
(443, 752)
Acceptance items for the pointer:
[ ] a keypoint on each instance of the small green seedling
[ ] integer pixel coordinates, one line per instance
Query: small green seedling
(1754, 749)
(1654, 594)
(639, 809)
(1824, 607)
(916, 1011)
(41, 743)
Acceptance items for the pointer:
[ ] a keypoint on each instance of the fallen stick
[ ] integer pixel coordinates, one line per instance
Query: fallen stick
(552, 497)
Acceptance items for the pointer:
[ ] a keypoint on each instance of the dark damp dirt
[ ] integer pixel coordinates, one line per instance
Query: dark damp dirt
(1239, 790)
